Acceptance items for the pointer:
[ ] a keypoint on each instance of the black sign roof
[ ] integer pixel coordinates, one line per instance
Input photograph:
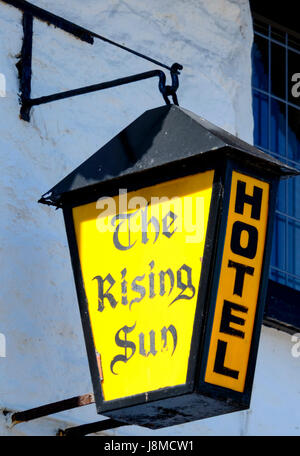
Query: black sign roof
(159, 136)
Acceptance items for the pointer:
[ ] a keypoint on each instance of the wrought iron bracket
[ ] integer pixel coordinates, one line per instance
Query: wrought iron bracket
(60, 406)
(166, 90)
(24, 64)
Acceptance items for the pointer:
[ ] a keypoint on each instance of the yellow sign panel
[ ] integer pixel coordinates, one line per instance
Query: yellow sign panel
(141, 257)
(239, 283)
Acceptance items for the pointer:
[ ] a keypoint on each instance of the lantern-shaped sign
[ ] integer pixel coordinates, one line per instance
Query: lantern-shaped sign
(169, 227)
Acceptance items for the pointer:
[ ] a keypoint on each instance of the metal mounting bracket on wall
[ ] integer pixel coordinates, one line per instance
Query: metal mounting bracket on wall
(60, 406)
(24, 64)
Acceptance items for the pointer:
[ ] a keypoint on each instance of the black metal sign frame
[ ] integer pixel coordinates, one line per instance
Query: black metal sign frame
(131, 407)
(102, 405)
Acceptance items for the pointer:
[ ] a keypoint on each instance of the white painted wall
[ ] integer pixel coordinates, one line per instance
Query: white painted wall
(45, 353)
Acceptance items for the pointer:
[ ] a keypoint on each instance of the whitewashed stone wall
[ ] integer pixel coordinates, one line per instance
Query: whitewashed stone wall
(45, 353)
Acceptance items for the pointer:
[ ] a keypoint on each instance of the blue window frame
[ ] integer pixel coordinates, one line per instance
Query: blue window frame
(275, 59)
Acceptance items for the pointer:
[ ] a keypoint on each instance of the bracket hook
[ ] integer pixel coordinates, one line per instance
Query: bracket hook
(170, 90)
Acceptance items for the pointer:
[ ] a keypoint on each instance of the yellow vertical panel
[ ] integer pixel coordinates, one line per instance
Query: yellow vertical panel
(143, 327)
(236, 348)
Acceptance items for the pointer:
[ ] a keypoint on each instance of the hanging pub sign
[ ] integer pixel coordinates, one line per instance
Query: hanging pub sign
(169, 228)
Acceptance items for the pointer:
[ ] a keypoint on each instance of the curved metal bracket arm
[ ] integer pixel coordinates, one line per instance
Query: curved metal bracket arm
(25, 62)
(165, 90)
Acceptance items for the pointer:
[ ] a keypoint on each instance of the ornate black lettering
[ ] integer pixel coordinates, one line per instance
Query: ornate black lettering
(124, 287)
(107, 295)
(172, 330)
(162, 275)
(152, 351)
(126, 344)
(166, 225)
(184, 286)
(145, 224)
(116, 239)
(151, 280)
(139, 289)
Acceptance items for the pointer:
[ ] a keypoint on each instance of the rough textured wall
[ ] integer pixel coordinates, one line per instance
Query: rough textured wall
(46, 359)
